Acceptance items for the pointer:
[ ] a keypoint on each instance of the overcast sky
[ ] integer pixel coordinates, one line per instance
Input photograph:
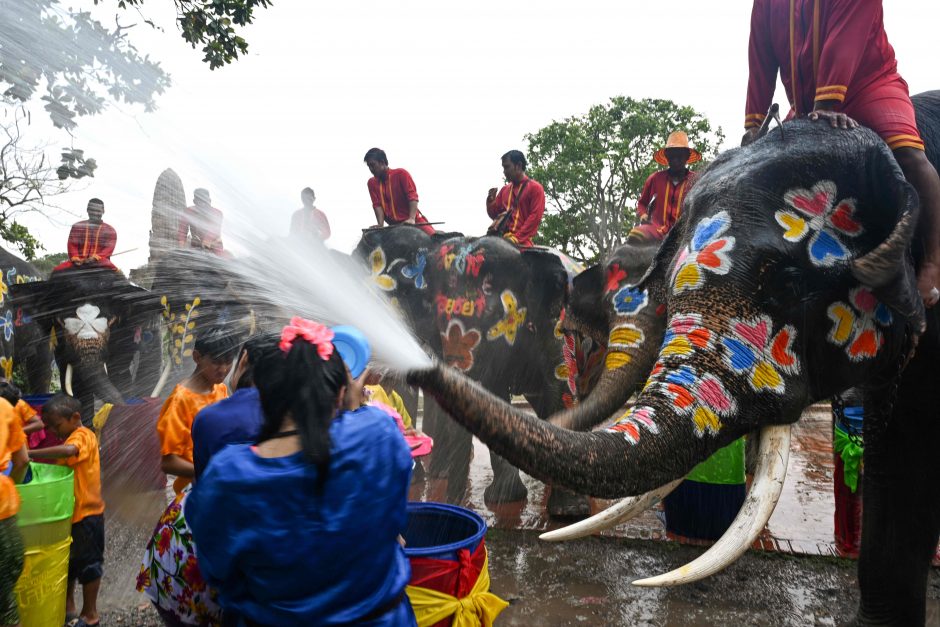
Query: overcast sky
(445, 88)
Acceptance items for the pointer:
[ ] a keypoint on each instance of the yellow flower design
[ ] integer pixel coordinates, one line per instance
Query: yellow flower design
(508, 326)
(6, 364)
(377, 262)
(4, 289)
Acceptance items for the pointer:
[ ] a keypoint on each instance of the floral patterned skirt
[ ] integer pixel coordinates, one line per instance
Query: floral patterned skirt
(170, 576)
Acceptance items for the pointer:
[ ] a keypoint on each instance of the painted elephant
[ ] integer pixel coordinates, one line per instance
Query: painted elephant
(103, 330)
(788, 279)
(22, 342)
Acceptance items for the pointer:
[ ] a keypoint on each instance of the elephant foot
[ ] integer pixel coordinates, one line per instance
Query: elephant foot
(563, 503)
(506, 489)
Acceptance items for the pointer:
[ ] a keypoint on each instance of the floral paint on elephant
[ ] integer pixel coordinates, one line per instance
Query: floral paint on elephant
(855, 326)
(415, 270)
(627, 302)
(6, 366)
(750, 350)
(815, 210)
(709, 251)
(87, 331)
(463, 260)
(513, 319)
(378, 266)
(634, 419)
(458, 345)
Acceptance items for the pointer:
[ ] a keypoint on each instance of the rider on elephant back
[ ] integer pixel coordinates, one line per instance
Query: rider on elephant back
(836, 64)
(91, 242)
(393, 193)
(203, 224)
(517, 208)
(660, 203)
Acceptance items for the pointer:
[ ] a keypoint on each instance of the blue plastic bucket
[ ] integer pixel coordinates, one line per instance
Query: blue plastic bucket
(438, 530)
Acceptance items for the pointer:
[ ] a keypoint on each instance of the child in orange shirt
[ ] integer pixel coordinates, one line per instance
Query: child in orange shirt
(213, 353)
(13, 449)
(63, 415)
(26, 415)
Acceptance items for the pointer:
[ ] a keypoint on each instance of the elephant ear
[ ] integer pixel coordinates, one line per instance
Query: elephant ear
(586, 301)
(548, 277)
(888, 269)
(32, 299)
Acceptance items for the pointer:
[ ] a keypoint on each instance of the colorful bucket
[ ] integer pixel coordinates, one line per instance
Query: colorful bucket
(445, 546)
(45, 520)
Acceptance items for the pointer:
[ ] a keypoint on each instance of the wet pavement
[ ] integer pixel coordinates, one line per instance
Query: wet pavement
(794, 581)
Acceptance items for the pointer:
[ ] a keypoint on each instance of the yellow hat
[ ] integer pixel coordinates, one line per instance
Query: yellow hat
(677, 139)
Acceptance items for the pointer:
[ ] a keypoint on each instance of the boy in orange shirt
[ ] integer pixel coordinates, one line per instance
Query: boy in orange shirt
(63, 415)
(26, 415)
(213, 353)
(13, 449)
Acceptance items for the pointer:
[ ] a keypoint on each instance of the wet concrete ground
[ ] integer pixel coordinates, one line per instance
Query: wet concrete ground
(587, 582)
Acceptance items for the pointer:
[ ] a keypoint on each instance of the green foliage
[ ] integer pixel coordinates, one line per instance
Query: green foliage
(593, 167)
(46, 263)
(211, 24)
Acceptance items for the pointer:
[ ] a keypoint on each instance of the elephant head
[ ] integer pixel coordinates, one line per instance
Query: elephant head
(786, 280)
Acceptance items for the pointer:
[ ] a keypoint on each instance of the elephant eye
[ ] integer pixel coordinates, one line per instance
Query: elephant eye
(782, 285)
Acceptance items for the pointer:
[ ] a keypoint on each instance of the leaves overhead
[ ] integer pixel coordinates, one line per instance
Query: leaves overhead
(593, 167)
(211, 24)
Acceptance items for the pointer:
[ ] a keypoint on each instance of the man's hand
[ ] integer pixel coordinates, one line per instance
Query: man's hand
(409, 221)
(750, 135)
(836, 119)
(928, 278)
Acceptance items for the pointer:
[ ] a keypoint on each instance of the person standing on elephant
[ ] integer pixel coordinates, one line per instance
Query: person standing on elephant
(517, 208)
(660, 203)
(213, 352)
(91, 242)
(393, 193)
(202, 223)
(836, 64)
(308, 220)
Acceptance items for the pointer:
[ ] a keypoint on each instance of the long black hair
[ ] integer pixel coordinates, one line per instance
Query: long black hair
(307, 387)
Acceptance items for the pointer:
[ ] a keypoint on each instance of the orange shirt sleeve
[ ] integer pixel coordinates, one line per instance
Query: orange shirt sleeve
(24, 412)
(174, 427)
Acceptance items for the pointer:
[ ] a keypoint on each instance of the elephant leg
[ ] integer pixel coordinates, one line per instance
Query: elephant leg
(453, 449)
(507, 485)
(562, 502)
(901, 508)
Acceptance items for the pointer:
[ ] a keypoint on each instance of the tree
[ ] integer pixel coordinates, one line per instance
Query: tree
(593, 167)
(27, 181)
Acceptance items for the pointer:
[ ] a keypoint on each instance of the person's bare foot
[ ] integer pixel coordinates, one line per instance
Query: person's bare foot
(928, 278)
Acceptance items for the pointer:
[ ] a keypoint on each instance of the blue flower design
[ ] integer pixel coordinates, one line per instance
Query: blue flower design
(629, 300)
(7, 323)
(416, 270)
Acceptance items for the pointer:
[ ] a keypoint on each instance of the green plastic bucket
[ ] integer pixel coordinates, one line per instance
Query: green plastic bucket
(45, 520)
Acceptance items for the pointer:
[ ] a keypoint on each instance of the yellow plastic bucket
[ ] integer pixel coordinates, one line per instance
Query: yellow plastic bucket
(45, 520)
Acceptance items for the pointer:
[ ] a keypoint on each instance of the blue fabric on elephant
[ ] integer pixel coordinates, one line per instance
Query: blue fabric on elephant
(282, 553)
(233, 420)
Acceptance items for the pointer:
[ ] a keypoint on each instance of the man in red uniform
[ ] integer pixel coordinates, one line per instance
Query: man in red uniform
(836, 64)
(91, 242)
(203, 223)
(660, 202)
(393, 193)
(518, 207)
(309, 221)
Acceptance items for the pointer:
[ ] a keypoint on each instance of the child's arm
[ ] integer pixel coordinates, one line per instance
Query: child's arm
(177, 466)
(20, 461)
(33, 425)
(54, 452)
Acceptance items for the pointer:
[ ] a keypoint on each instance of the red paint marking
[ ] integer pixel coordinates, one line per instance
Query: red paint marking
(756, 334)
(865, 301)
(842, 219)
(814, 205)
(780, 349)
(707, 256)
(700, 337)
(682, 397)
(865, 345)
(614, 276)
(713, 393)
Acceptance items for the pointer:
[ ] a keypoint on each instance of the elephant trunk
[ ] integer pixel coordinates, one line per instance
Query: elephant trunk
(629, 359)
(605, 464)
(103, 388)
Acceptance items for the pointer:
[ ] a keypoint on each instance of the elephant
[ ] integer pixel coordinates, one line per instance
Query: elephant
(22, 340)
(788, 279)
(103, 330)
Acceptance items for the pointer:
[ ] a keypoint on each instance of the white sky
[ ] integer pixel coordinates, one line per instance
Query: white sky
(444, 88)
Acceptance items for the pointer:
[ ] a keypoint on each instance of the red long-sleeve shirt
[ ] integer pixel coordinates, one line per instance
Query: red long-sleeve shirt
(204, 224)
(90, 243)
(660, 202)
(824, 50)
(310, 221)
(394, 194)
(527, 207)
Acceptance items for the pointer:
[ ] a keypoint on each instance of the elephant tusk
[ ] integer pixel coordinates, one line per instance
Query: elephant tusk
(614, 515)
(760, 503)
(162, 381)
(68, 380)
